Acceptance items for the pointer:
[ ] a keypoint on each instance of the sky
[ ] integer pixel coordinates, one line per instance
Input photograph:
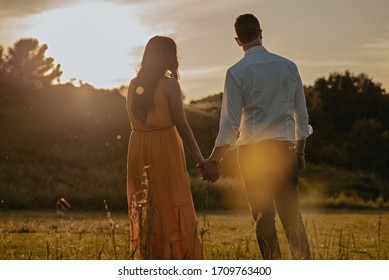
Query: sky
(101, 42)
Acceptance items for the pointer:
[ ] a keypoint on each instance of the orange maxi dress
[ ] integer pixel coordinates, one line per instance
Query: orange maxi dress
(163, 222)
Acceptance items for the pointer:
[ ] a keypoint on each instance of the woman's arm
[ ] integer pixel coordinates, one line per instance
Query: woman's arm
(172, 89)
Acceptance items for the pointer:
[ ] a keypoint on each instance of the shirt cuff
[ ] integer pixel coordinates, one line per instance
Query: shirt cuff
(222, 140)
(304, 134)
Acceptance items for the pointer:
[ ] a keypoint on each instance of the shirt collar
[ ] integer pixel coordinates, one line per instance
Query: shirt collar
(255, 49)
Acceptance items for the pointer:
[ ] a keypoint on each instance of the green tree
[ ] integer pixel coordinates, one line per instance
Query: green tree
(368, 146)
(346, 97)
(26, 62)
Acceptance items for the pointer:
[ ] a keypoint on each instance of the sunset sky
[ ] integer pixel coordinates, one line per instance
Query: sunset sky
(101, 42)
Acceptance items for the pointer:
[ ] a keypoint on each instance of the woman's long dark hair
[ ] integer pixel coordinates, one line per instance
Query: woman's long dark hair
(159, 60)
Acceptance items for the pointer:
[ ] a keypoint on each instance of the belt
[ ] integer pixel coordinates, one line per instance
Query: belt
(269, 144)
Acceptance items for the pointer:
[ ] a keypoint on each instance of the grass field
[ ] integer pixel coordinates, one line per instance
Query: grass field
(225, 235)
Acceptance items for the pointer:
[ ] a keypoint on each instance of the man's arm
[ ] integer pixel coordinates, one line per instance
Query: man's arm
(303, 129)
(230, 117)
(230, 113)
(300, 152)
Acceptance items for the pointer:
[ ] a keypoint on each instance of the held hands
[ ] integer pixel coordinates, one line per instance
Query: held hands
(209, 170)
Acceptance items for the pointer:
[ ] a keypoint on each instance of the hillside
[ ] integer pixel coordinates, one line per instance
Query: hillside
(209, 105)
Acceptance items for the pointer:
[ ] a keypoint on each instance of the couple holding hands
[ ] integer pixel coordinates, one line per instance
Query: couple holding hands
(263, 115)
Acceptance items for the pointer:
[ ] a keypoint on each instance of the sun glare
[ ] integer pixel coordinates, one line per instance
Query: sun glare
(94, 42)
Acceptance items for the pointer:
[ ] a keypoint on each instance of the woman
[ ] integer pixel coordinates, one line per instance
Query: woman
(162, 216)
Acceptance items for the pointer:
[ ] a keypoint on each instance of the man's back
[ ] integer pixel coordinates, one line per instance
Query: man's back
(271, 90)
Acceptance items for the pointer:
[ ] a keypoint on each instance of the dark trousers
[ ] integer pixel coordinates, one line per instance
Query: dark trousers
(270, 174)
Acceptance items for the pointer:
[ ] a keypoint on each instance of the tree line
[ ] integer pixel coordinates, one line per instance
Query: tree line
(351, 116)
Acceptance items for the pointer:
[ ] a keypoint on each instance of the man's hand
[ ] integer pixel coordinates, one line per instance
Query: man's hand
(209, 170)
(300, 162)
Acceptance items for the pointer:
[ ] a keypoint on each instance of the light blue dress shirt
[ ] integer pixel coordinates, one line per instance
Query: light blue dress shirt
(263, 99)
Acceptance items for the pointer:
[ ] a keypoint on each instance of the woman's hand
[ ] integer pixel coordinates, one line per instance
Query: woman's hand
(209, 170)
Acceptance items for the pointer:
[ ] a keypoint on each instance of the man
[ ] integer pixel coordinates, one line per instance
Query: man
(264, 114)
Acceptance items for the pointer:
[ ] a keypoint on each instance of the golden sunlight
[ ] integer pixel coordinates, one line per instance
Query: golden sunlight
(98, 43)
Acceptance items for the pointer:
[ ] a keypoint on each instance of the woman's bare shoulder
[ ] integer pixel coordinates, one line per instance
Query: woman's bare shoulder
(132, 82)
(131, 85)
(170, 86)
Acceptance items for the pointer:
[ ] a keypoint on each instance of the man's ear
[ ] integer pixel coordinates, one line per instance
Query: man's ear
(238, 41)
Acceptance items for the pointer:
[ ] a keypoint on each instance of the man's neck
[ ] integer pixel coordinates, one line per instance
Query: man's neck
(254, 43)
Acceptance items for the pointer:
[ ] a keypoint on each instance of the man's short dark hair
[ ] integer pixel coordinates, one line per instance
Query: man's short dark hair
(247, 28)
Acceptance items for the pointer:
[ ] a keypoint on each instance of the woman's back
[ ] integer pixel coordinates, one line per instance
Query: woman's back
(157, 118)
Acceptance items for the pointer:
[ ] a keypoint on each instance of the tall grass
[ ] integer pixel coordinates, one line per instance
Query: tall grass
(227, 235)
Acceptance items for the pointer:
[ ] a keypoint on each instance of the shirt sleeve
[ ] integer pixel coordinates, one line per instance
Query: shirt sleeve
(303, 129)
(231, 112)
